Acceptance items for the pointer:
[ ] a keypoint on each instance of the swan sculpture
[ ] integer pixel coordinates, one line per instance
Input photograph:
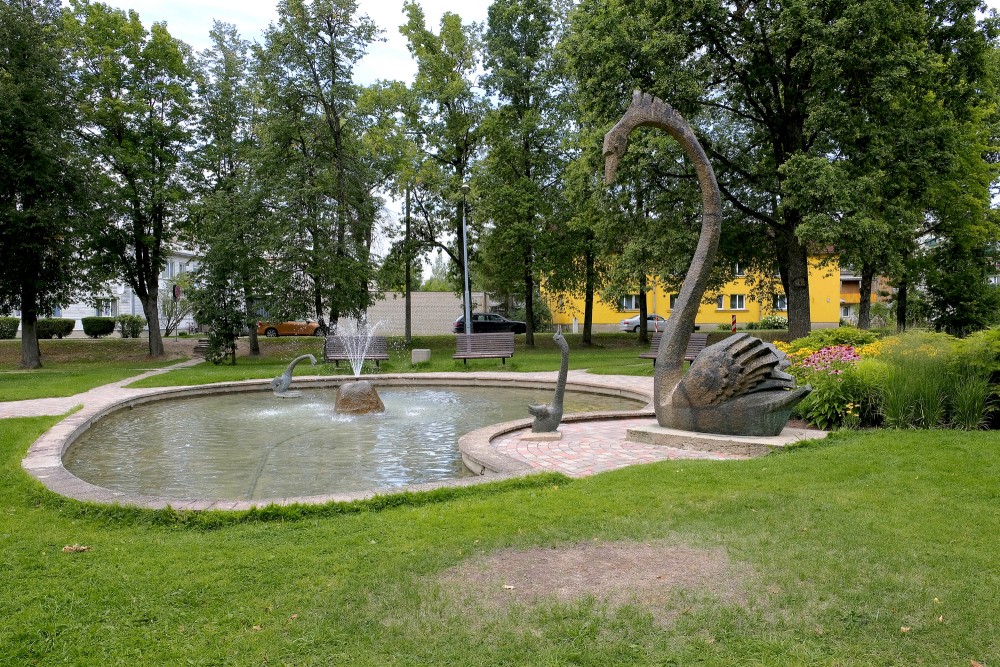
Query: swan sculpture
(281, 383)
(547, 417)
(737, 386)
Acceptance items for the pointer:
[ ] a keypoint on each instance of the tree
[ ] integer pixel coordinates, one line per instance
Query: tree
(134, 95)
(443, 115)
(519, 183)
(228, 218)
(43, 176)
(786, 85)
(322, 177)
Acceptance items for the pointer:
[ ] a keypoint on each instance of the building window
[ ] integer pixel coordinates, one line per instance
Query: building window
(738, 270)
(737, 302)
(845, 312)
(673, 301)
(780, 302)
(720, 302)
(631, 302)
(994, 280)
(106, 308)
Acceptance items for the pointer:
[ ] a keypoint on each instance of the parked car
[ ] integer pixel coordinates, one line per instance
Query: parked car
(489, 322)
(290, 328)
(653, 323)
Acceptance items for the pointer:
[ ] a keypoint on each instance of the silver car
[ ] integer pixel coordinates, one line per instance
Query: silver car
(653, 323)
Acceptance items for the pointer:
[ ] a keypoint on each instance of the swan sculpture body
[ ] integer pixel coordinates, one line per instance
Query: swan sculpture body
(547, 417)
(281, 383)
(737, 386)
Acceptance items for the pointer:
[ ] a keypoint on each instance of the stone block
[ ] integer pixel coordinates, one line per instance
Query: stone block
(417, 356)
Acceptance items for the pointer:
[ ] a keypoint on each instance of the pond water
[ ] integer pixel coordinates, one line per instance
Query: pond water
(250, 446)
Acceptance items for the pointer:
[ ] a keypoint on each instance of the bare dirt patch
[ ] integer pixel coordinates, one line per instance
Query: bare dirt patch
(652, 575)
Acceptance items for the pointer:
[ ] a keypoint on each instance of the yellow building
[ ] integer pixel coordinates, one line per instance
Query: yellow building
(732, 300)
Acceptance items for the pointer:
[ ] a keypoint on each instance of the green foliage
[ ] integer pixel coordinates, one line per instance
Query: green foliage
(49, 327)
(130, 326)
(773, 322)
(542, 315)
(95, 327)
(8, 327)
(820, 338)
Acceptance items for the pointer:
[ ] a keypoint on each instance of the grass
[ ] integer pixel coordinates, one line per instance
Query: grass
(611, 353)
(71, 366)
(843, 544)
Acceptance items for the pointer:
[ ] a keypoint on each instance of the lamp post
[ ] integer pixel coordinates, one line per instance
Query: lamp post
(465, 263)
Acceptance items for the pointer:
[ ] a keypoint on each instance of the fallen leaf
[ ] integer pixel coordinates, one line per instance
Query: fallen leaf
(940, 619)
(257, 628)
(936, 601)
(293, 617)
(508, 587)
(904, 629)
(974, 663)
(74, 549)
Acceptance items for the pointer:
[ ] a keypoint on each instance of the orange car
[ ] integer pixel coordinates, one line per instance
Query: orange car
(290, 328)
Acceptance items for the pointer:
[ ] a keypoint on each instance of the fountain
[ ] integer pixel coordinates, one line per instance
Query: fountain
(357, 397)
(281, 383)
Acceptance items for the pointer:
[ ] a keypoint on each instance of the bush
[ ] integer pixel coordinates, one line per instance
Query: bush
(8, 327)
(48, 327)
(130, 326)
(773, 322)
(95, 327)
(821, 338)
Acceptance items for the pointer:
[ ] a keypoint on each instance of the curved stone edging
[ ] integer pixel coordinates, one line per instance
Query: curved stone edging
(43, 460)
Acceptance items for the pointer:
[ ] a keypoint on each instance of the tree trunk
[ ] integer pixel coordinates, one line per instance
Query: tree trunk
(31, 355)
(529, 300)
(588, 298)
(643, 311)
(793, 263)
(248, 300)
(152, 312)
(901, 292)
(865, 303)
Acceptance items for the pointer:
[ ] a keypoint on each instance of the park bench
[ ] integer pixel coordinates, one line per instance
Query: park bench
(336, 348)
(696, 343)
(498, 345)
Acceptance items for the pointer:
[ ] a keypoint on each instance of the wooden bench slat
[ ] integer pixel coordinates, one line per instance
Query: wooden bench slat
(334, 349)
(696, 344)
(494, 345)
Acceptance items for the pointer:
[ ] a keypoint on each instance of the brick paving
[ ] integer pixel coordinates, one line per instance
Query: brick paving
(588, 448)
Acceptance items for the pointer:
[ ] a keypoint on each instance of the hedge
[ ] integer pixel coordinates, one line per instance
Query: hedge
(8, 327)
(49, 327)
(95, 327)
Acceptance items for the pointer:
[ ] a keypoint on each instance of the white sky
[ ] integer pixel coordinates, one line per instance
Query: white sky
(190, 21)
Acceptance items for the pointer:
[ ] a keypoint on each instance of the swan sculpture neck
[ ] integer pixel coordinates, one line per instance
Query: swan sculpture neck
(647, 110)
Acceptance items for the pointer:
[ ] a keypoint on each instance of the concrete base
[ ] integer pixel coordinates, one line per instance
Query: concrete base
(542, 437)
(417, 356)
(712, 442)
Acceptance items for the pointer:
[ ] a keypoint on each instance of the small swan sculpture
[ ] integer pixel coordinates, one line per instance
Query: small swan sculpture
(547, 417)
(281, 383)
(737, 386)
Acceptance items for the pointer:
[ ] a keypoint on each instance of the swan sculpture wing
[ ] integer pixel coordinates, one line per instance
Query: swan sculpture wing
(739, 365)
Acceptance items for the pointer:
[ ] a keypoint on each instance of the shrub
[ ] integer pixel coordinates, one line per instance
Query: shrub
(821, 338)
(8, 327)
(832, 401)
(95, 327)
(773, 322)
(130, 326)
(48, 327)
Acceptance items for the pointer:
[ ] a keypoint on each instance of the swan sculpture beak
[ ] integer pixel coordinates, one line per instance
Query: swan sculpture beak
(615, 143)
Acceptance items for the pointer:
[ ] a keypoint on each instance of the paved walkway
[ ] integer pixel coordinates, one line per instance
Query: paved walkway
(108, 393)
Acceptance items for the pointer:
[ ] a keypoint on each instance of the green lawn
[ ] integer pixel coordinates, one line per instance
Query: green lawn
(71, 366)
(611, 353)
(837, 547)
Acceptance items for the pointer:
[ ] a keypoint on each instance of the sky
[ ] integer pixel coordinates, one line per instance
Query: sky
(190, 21)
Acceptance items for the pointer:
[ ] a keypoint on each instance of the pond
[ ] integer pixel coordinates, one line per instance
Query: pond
(252, 446)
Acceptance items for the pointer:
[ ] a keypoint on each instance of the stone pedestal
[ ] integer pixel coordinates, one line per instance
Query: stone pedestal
(713, 442)
(357, 398)
(549, 436)
(418, 356)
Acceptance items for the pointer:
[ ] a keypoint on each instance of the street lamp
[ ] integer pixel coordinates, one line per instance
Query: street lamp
(465, 263)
